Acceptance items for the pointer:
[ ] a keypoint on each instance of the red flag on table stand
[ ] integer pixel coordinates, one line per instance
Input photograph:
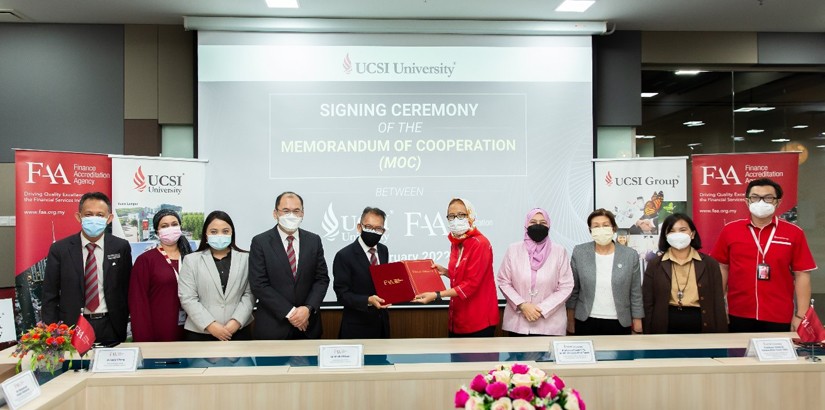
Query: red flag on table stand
(811, 330)
(84, 336)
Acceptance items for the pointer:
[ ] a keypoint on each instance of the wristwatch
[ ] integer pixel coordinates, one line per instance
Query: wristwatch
(437, 295)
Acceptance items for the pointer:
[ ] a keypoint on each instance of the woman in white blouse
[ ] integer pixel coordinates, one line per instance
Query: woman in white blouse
(607, 290)
(214, 285)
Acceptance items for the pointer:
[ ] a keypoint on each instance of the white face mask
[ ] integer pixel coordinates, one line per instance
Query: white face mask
(290, 222)
(459, 226)
(679, 240)
(761, 209)
(602, 235)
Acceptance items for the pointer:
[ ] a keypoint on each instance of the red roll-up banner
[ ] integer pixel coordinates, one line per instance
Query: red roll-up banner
(719, 183)
(48, 187)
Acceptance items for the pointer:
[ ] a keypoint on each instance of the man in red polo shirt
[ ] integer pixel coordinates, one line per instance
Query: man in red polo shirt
(765, 262)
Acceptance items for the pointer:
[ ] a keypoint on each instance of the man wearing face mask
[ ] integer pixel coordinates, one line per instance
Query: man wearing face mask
(88, 273)
(365, 315)
(288, 275)
(765, 263)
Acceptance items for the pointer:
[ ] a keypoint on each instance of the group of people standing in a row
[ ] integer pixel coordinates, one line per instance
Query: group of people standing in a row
(756, 279)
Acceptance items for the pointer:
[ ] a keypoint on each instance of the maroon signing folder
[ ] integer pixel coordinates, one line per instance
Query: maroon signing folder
(400, 281)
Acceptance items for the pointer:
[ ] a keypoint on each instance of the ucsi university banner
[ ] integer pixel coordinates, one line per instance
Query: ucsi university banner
(48, 187)
(719, 183)
(144, 185)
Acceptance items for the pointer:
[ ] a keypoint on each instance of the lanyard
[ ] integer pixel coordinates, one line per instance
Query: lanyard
(768, 245)
(169, 261)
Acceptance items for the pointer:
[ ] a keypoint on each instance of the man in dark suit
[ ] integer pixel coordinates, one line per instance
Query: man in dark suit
(288, 275)
(365, 314)
(89, 273)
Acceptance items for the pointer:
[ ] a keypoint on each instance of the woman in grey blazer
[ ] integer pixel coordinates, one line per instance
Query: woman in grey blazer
(214, 285)
(607, 283)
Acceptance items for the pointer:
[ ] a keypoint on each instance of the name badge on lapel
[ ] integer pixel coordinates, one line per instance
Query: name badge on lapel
(113, 256)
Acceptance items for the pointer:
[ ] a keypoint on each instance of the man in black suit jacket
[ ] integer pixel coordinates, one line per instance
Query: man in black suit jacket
(365, 315)
(65, 294)
(288, 275)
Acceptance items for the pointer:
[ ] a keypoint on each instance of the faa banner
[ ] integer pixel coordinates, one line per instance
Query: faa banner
(641, 192)
(720, 180)
(145, 185)
(48, 187)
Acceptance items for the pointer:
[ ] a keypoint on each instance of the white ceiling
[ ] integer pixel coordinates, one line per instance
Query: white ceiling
(647, 15)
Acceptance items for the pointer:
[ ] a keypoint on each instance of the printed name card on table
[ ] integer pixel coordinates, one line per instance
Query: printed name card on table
(333, 357)
(20, 389)
(574, 352)
(111, 360)
(771, 349)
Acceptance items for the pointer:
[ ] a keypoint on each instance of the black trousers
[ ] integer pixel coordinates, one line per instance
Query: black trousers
(595, 327)
(684, 320)
(745, 325)
(104, 330)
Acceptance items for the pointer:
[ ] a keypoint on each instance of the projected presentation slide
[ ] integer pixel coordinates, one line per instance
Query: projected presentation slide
(399, 122)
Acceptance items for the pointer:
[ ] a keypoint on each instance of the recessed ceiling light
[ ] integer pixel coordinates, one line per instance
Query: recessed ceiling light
(800, 126)
(738, 139)
(576, 6)
(780, 140)
(820, 146)
(755, 131)
(645, 137)
(282, 4)
(695, 144)
(688, 72)
(648, 95)
(694, 123)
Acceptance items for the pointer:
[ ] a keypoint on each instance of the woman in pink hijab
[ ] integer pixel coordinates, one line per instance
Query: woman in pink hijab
(536, 279)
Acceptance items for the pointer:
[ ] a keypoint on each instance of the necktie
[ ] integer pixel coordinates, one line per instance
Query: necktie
(90, 276)
(290, 253)
(373, 258)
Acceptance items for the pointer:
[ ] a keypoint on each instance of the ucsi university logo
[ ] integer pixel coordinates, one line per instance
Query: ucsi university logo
(608, 179)
(347, 65)
(157, 183)
(139, 180)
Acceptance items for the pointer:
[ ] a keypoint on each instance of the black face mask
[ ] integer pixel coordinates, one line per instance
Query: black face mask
(537, 232)
(370, 238)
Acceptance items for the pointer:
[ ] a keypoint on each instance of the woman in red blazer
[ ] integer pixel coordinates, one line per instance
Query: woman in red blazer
(472, 293)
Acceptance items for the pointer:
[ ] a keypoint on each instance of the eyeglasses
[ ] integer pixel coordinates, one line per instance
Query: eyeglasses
(376, 229)
(451, 217)
(769, 199)
(296, 211)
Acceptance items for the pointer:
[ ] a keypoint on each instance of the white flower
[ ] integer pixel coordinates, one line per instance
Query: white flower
(521, 380)
(503, 376)
(503, 403)
(521, 404)
(572, 403)
(537, 374)
(474, 403)
(555, 406)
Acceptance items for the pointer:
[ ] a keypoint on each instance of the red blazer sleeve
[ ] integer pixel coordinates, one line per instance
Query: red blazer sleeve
(478, 257)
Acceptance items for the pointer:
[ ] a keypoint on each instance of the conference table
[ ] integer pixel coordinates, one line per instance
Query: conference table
(704, 371)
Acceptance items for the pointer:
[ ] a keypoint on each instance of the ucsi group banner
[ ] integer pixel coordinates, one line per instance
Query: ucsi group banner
(48, 187)
(641, 192)
(144, 185)
(719, 183)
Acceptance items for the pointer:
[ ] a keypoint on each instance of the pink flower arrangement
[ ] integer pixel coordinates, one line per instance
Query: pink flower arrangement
(518, 387)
